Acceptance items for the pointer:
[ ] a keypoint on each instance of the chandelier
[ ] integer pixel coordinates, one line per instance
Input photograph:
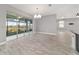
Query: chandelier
(38, 15)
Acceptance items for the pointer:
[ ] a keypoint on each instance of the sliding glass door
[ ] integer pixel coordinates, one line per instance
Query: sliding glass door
(17, 26)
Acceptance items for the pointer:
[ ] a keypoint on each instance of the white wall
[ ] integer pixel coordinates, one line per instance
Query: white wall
(2, 23)
(46, 24)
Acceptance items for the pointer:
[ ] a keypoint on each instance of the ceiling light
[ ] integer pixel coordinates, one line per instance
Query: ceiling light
(37, 16)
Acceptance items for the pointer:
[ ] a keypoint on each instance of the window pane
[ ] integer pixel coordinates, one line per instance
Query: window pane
(61, 24)
(17, 25)
(21, 26)
(30, 25)
(11, 27)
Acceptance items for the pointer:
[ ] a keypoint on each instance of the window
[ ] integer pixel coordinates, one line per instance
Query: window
(17, 25)
(61, 24)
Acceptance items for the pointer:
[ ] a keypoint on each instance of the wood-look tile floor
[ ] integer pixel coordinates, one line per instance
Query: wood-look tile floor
(36, 44)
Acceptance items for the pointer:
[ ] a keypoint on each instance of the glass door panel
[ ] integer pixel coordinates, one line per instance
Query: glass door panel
(11, 32)
(29, 22)
(29, 25)
(21, 27)
(11, 27)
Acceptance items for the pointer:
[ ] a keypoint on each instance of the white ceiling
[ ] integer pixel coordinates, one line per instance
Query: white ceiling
(61, 10)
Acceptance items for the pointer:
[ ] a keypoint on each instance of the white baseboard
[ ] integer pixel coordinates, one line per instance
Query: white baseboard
(3, 42)
(47, 33)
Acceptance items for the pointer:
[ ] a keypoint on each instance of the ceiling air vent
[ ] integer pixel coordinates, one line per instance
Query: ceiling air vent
(49, 5)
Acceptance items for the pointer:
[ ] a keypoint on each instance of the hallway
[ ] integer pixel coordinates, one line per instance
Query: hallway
(38, 44)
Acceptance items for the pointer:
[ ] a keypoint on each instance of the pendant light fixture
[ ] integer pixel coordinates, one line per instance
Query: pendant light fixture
(37, 15)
